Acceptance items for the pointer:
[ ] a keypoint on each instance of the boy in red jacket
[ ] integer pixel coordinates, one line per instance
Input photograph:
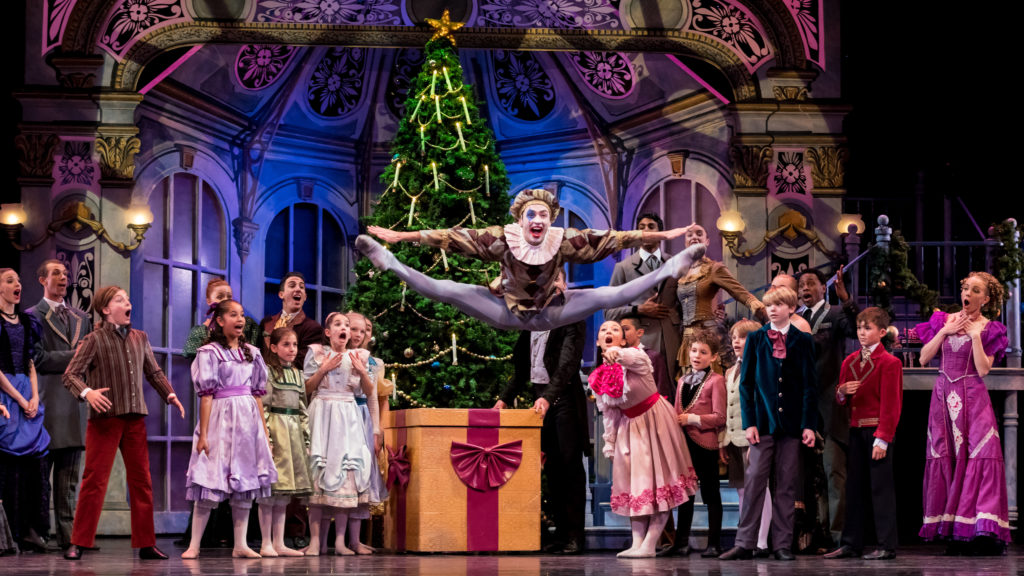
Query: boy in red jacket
(871, 381)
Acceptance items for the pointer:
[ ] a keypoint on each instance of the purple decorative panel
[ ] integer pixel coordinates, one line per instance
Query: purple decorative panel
(76, 165)
(55, 17)
(379, 12)
(809, 18)
(81, 265)
(549, 14)
(130, 19)
(336, 85)
(609, 74)
(407, 64)
(524, 90)
(731, 23)
(259, 65)
(789, 174)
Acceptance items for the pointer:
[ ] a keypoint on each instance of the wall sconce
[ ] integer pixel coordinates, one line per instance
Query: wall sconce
(75, 217)
(847, 220)
(792, 224)
(678, 162)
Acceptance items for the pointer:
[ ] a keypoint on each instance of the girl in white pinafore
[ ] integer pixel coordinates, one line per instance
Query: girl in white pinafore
(339, 458)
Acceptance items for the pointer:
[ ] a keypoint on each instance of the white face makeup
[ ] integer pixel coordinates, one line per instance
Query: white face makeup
(535, 221)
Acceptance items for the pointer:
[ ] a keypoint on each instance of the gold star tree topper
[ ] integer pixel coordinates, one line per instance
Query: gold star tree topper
(444, 27)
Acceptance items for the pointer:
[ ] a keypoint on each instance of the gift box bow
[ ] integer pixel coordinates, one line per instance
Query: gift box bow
(398, 467)
(486, 468)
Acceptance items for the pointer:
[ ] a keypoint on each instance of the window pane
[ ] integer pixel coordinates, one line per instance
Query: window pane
(678, 211)
(154, 305)
(213, 232)
(306, 247)
(271, 303)
(158, 471)
(180, 454)
(182, 305)
(181, 380)
(201, 307)
(334, 250)
(310, 306)
(153, 246)
(330, 302)
(277, 248)
(156, 422)
(183, 208)
(579, 272)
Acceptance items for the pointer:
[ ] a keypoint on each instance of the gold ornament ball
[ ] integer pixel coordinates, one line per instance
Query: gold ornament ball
(408, 352)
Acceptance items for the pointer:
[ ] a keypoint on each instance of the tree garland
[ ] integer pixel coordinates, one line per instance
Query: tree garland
(889, 276)
(1008, 264)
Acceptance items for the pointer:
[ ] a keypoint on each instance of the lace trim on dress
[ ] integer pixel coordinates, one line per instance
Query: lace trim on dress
(528, 253)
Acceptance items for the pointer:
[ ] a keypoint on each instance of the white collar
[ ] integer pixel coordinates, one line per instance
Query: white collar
(816, 307)
(644, 254)
(53, 304)
(872, 347)
(784, 330)
(528, 253)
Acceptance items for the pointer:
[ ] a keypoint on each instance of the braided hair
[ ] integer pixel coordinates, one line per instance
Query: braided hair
(995, 293)
(217, 331)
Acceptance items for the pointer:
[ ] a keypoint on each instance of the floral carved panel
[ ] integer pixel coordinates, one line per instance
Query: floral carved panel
(525, 90)
(609, 74)
(55, 18)
(131, 19)
(368, 12)
(549, 14)
(407, 63)
(336, 85)
(808, 17)
(732, 24)
(259, 65)
(76, 166)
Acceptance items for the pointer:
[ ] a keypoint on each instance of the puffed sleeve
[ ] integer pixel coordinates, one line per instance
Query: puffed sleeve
(312, 362)
(994, 340)
(34, 334)
(206, 370)
(927, 330)
(636, 360)
(258, 381)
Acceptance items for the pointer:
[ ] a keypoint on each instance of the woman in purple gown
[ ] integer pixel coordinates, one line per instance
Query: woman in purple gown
(964, 482)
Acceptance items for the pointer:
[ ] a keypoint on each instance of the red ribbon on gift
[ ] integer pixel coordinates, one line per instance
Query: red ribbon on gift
(400, 493)
(398, 468)
(486, 468)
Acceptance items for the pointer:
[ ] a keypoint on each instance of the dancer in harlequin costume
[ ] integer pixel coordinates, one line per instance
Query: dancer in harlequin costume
(340, 458)
(116, 357)
(231, 457)
(530, 252)
(651, 469)
(23, 437)
(964, 484)
(288, 426)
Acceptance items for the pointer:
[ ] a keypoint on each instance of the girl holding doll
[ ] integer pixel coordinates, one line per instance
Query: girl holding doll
(288, 427)
(231, 457)
(651, 468)
(340, 458)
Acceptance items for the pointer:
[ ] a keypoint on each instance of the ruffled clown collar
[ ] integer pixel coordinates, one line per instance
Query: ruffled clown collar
(528, 253)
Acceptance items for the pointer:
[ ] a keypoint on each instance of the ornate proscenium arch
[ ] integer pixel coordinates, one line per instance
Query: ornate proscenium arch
(667, 41)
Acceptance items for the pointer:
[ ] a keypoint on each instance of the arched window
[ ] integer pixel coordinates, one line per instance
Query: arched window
(185, 248)
(681, 202)
(307, 238)
(581, 276)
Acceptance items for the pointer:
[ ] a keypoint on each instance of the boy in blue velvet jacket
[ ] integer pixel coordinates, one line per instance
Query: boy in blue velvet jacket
(779, 405)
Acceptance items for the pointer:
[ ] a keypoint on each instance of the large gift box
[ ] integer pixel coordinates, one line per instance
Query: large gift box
(463, 480)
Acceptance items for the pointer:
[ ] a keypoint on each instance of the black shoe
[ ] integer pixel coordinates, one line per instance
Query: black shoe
(73, 553)
(762, 553)
(784, 555)
(843, 551)
(711, 552)
(737, 553)
(880, 554)
(673, 551)
(151, 553)
(571, 548)
(553, 548)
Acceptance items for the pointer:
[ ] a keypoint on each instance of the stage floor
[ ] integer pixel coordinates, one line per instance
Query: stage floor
(116, 557)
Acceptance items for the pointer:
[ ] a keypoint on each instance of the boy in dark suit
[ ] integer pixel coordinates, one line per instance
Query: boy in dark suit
(779, 406)
(871, 381)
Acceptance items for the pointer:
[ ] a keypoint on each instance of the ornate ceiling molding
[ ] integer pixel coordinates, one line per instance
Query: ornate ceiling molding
(546, 39)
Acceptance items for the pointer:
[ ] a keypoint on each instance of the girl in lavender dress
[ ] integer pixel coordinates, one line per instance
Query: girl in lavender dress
(231, 458)
(651, 469)
(964, 483)
(339, 457)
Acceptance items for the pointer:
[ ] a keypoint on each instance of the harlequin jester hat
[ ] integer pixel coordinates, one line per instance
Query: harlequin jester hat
(531, 196)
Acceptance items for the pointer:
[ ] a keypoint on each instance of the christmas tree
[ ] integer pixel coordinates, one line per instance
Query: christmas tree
(444, 172)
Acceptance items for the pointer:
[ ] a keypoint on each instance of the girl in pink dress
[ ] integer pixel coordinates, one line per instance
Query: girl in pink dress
(651, 468)
(964, 479)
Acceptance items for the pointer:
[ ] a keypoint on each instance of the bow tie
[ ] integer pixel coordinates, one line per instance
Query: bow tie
(695, 378)
(865, 355)
(778, 340)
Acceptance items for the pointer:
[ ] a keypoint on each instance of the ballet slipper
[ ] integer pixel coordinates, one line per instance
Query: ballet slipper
(381, 257)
